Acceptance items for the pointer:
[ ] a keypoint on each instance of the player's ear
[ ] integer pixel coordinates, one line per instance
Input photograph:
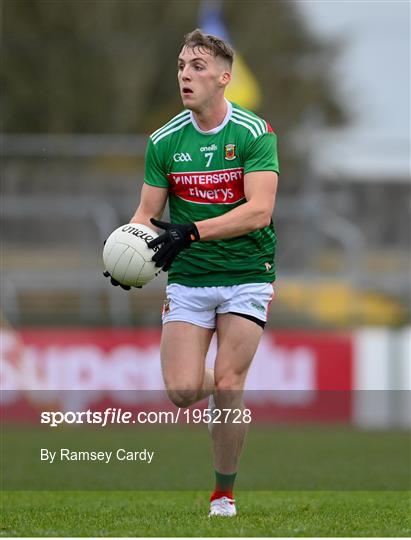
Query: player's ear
(225, 78)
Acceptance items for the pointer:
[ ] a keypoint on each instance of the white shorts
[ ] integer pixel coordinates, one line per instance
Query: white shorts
(201, 305)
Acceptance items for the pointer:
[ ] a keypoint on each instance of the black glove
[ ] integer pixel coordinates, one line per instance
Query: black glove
(175, 238)
(116, 283)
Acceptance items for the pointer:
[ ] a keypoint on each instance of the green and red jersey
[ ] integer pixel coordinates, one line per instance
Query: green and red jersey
(204, 173)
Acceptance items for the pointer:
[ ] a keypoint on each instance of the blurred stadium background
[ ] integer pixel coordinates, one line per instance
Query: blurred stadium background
(83, 86)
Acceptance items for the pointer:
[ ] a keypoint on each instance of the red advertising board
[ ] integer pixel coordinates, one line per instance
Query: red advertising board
(295, 376)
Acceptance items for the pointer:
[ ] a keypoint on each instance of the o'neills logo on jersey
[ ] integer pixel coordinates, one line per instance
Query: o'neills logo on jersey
(218, 187)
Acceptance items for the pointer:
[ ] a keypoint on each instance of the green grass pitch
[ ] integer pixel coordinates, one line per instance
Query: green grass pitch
(293, 481)
(283, 513)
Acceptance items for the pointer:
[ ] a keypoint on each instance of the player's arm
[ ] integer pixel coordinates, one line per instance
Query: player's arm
(260, 189)
(152, 203)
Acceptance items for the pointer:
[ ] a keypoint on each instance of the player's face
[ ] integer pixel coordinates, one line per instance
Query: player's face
(201, 76)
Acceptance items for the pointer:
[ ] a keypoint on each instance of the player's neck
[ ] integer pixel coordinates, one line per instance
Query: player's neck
(211, 117)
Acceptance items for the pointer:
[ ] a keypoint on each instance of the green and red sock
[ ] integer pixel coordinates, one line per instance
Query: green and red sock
(224, 484)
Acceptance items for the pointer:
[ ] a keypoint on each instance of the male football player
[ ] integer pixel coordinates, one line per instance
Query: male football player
(217, 165)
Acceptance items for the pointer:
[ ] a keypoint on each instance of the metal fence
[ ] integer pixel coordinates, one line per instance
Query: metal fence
(63, 195)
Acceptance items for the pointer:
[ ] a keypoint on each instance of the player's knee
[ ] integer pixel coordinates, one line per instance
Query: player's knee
(183, 398)
(230, 381)
(229, 391)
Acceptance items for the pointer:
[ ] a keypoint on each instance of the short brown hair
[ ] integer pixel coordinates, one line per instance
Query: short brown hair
(212, 44)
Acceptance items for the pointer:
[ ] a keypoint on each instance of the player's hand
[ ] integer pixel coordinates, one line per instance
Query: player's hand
(117, 283)
(175, 238)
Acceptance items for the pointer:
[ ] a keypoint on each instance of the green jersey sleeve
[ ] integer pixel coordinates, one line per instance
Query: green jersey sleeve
(261, 154)
(155, 173)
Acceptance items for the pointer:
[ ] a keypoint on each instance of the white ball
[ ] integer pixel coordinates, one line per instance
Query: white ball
(127, 256)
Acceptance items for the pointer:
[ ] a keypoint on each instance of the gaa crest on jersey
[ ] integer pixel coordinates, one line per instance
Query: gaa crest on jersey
(229, 152)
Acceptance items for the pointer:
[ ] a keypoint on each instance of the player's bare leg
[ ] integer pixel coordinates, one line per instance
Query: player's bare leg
(184, 348)
(237, 342)
(208, 383)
